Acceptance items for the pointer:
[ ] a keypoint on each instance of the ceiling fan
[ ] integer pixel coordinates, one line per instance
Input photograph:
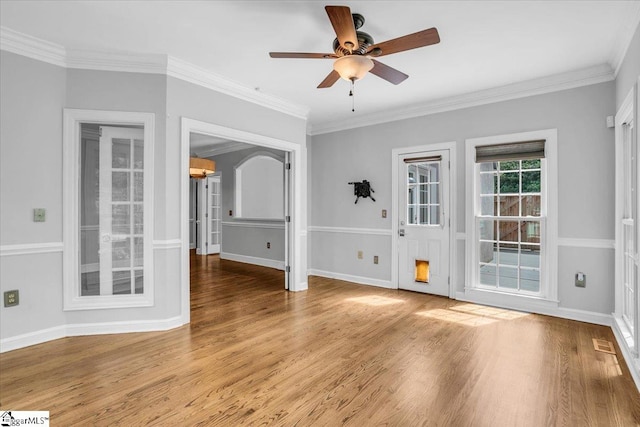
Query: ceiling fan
(354, 50)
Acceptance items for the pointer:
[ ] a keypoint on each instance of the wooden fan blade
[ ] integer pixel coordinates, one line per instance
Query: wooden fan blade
(390, 74)
(342, 21)
(302, 55)
(329, 80)
(408, 42)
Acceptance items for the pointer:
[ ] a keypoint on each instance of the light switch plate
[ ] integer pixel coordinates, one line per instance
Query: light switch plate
(581, 280)
(39, 215)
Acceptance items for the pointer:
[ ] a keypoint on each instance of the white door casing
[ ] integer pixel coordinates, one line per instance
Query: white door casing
(297, 239)
(423, 221)
(287, 217)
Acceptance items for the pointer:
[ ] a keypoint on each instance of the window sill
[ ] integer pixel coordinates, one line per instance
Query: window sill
(108, 302)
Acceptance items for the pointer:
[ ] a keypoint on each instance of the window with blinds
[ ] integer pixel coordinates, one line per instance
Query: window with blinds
(509, 216)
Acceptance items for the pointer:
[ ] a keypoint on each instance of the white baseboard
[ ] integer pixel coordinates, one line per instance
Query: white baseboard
(50, 334)
(350, 278)
(303, 287)
(582, 316)
(32, 338)
(123, 327)
(532, 305)
(264, 262)
(632, 362)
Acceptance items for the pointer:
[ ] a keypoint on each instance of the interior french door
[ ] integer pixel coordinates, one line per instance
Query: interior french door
(209, 215)
(121, 201)
(423, 223)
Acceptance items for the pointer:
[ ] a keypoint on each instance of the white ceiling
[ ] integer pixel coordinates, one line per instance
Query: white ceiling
(484, 44)
(201, 145)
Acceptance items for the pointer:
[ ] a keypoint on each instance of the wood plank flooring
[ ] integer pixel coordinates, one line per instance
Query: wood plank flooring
(337, 354)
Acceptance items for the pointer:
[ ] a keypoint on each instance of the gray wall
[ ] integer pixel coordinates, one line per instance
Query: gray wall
(33, 94)
(629, 70)
(33, 97)
(585, 183)
(243, 237)
(107, 90)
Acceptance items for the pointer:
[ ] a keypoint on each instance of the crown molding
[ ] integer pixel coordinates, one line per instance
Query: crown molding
(557, 82)
(625, 37)
(116, 61)
(32, 47)
(193, 74)
(42, 50)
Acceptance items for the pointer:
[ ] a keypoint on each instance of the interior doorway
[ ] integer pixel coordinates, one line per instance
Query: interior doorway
(291, 153)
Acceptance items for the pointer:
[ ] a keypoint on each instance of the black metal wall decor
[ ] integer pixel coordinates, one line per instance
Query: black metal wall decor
(362, 189)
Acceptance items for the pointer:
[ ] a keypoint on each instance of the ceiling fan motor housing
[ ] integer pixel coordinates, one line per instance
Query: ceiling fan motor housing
(364, 41)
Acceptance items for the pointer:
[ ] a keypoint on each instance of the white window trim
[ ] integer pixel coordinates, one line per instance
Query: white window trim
(549, 256)
(624, 114)
(71, 203)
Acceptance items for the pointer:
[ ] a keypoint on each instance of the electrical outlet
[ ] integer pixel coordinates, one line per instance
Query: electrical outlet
(230, 213)
(39, 215)
(384, 213)
(359, 254)
(581, 280)
(375, 259)
(11, 298)
(268, 245)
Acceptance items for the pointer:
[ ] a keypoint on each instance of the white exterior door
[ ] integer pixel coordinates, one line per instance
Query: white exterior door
(209, 215)
(121, 202)
(423, 222)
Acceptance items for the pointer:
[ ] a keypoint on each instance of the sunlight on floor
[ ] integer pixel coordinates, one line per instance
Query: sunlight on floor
(374, 300)
(613, 369)
(472, 315)
(482, 310)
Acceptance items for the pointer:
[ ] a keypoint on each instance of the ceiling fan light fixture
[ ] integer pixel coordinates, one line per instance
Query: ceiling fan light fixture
(201, 168)
(353, 67)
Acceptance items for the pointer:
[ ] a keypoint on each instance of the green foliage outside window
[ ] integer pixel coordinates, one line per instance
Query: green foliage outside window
(528, 170)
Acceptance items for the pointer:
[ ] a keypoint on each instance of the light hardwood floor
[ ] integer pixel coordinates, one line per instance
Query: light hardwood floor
(337, 354)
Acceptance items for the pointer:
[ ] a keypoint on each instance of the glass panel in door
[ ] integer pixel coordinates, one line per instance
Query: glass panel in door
(111, 201)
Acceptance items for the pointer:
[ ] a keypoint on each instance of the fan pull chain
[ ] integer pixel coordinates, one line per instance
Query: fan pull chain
(353, 98)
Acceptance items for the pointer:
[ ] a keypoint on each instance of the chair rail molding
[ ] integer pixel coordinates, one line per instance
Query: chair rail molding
(31, 248)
